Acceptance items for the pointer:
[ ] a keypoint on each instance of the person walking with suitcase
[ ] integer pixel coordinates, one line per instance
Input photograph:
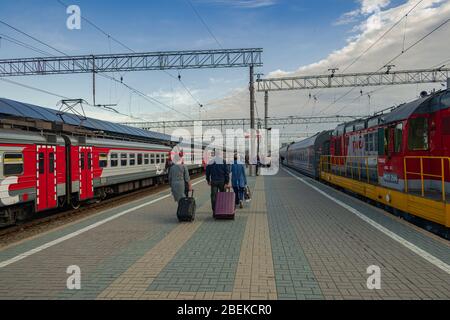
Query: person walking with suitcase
(179, 180)
(217, 176)
(238, 181)
(180, 184)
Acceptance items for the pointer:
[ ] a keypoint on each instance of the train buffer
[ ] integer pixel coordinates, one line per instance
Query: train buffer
(296, 239)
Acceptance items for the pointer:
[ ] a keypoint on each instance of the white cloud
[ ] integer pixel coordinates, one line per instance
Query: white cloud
(243, 3)
(378, 19)
(367, 7)
(373, 6)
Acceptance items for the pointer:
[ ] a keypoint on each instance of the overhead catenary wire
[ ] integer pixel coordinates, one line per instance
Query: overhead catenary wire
(60, 96)
(381, 38)
(23, 44)
(110, 37)
(34, 88)
(147, 97)
(392, 60)
(83, 17)
(204, 23)
(102, 75)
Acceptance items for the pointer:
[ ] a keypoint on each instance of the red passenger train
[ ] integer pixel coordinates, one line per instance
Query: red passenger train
(55, 167)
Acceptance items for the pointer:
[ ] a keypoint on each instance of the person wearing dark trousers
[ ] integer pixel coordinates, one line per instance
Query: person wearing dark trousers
(238, 180)
(218, 177)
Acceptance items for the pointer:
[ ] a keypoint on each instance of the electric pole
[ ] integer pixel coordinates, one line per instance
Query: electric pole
(252, 121)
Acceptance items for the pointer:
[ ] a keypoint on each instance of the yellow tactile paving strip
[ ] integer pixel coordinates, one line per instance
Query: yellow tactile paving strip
(255, 277)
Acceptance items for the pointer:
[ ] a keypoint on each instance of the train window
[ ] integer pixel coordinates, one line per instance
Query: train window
(13, 163)
(382, 141)
(41, 163)
(152, 158)
(367, 139)
(398, 136)
(158, 158)
(446, 125)
(445, 101)
(103, 160)
(371, 142)
(146, 159)
(89, 160)
(132, 159)
(375, 142)
(51, 163)
(114, 160)
(418, 134)
(139, 159)
(82, 161)
(123, 159)
(338, 150)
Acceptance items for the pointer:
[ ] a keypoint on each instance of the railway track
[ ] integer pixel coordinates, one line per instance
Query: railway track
(54, 219)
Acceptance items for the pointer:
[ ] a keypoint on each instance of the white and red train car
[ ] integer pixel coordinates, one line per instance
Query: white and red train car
(66, 160)
(39, 172)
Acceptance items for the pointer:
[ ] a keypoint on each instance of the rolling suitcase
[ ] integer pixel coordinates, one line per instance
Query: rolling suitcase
(186, 209)
(225, 205)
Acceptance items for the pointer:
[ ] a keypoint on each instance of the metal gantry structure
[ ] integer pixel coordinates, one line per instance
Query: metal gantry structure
(147, 61)
(243, 122)
(355, 80)
(365, 79)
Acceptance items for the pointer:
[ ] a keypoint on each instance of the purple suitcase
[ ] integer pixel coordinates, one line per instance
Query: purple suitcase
(225, 205)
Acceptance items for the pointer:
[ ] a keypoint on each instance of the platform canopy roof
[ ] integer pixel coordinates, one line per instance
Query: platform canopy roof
(11, 108)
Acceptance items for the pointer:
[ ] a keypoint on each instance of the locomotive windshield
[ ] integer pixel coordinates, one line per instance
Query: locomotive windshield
(418, 134)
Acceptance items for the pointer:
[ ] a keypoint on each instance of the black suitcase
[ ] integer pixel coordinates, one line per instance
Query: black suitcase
(186, 209)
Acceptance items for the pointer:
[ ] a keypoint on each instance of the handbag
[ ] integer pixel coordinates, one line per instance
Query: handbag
(247, 194)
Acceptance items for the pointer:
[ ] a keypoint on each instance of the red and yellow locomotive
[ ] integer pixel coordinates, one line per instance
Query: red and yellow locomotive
(400, 159)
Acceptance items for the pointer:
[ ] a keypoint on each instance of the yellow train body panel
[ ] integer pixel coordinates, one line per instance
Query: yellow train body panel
(432, 210)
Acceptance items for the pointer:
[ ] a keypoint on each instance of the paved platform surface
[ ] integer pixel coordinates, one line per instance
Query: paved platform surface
(293, 241)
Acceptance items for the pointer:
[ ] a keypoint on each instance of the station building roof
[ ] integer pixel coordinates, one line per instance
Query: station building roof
(12, 108)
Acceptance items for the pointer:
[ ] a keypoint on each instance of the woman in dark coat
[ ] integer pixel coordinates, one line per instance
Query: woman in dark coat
(179, 180)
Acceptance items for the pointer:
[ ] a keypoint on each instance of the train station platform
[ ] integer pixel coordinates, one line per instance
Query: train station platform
(296, 239)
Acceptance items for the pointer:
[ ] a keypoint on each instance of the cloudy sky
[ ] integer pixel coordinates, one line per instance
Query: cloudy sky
(298, 37)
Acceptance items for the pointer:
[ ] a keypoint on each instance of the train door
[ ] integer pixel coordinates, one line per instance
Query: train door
(86, 173)
(46, 184)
